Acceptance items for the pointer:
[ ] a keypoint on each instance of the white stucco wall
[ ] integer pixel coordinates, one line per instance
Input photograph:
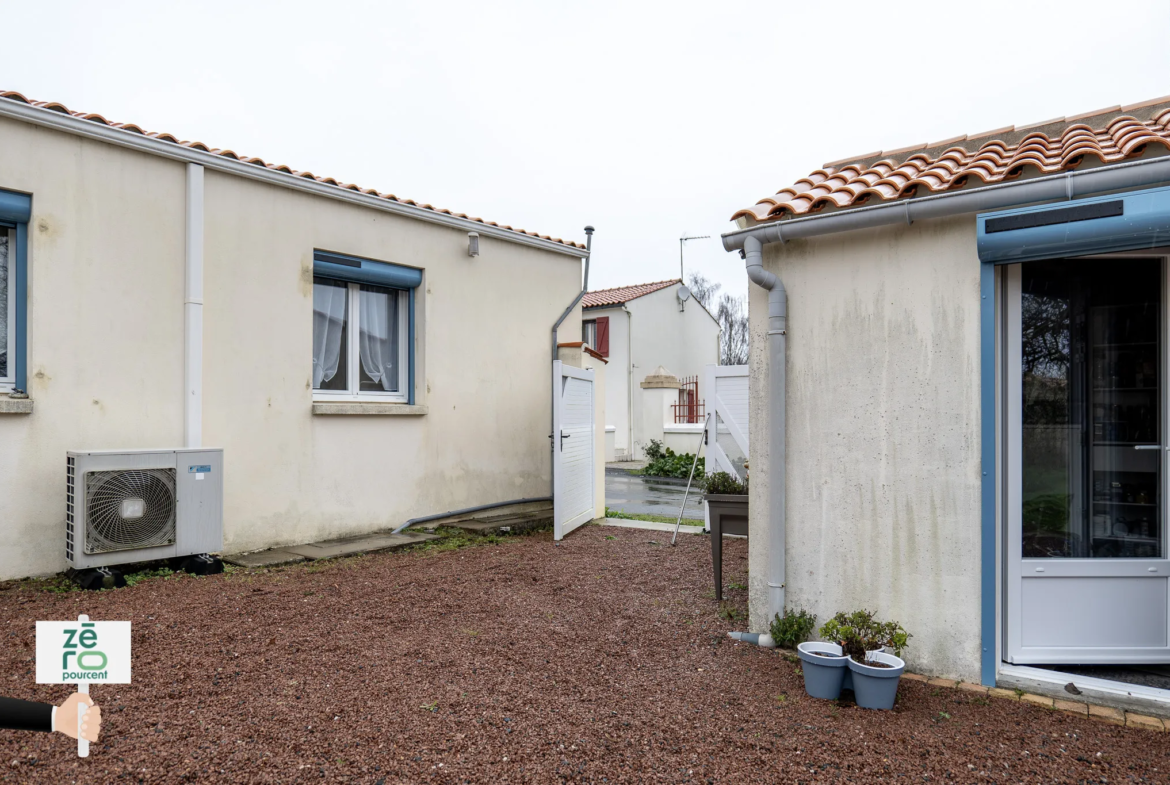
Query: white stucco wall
(883, 434)
(106, 348)
(684, 342)
(617, 389)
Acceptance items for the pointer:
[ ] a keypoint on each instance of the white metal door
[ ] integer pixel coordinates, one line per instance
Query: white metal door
(573, 448)
(727, 430)
(1097, 591)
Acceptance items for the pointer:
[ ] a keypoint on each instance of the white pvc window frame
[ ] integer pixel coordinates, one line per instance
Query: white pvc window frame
(8, 382)
(352, 350)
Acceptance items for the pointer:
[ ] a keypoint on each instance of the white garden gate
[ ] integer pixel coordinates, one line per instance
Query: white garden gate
(727, 428)
(573, 446)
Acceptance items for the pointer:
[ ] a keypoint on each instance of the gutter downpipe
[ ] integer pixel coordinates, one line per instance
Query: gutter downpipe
(753, 255)
(553, 398)
(750, 242)
(493, 505)
(193, 311)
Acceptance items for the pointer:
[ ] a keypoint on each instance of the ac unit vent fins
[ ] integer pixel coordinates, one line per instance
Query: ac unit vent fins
(129, 509)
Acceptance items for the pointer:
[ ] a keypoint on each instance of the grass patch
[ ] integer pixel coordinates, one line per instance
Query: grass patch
(452, 539)
(629, 516)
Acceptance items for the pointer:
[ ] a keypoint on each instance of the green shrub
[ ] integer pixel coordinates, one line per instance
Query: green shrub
(860, 631)
(665, 462)
(794, 628)
(722, 482)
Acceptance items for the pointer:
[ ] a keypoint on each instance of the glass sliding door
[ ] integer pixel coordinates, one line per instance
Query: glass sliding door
(1087, 575)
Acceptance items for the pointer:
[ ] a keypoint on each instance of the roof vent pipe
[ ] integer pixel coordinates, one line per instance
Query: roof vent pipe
(777, 353)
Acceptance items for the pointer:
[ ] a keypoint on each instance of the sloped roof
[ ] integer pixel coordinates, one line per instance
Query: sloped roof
(1103, 136)
(165, 137)
(623, 294)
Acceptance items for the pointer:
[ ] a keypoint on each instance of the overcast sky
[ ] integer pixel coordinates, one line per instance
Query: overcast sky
(644, 120)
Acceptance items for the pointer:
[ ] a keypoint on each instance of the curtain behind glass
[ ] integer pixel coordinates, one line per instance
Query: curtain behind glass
(378, 339)
(329, 316)
(3, 303)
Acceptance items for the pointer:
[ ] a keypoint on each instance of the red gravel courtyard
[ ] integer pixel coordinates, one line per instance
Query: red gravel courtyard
(603, 659)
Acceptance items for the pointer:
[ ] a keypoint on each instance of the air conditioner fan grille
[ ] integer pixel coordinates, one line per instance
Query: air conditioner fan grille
(130, 508)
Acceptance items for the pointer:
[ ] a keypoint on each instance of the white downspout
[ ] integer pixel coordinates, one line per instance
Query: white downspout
(193, 312)
(777, 349)
(629, 383)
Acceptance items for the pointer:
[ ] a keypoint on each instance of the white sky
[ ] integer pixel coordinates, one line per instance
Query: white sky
(643, 120)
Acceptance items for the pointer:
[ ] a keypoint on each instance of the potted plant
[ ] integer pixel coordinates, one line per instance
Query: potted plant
(875, 673)
(727, 506)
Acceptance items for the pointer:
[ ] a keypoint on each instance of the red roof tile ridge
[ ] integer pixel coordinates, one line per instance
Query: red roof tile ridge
(1001, 155)
(54, 106)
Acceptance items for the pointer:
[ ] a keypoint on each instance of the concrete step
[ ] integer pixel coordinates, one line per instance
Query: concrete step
(330, 549)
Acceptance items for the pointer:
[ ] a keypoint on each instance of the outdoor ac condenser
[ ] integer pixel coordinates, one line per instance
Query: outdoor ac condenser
(126, 506)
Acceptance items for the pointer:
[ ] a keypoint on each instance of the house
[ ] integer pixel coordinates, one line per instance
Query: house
(162, 293)
(637, 329)
(959, 384)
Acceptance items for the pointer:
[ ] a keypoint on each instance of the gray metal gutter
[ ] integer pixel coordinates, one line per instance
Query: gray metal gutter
(91, 130)
(1067, 185)
(750, 242)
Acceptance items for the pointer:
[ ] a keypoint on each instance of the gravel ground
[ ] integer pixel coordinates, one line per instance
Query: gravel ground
(602, 660)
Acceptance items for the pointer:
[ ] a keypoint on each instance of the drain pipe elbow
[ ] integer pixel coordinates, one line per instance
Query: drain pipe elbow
(753, 252)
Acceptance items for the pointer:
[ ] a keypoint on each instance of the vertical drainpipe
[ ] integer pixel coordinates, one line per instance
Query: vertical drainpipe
(777, 350)
(193, 312)
(552, 439)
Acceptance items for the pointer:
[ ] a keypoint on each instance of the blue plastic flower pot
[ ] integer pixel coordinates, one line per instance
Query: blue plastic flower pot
(873, 687)
(824, 668)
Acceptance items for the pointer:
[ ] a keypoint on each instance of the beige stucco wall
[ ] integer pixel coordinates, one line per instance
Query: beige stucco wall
(106, 346)
(684, 342)
(883, 420)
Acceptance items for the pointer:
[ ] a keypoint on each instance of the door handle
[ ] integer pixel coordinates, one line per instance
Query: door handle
(563, 437)
(1147, 446)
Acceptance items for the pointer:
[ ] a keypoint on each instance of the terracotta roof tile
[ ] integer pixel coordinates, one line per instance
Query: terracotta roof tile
(1106, 135)
(623, 294)
(165, 137)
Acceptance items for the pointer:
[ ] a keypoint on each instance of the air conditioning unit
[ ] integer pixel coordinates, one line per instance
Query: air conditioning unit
(126, 506)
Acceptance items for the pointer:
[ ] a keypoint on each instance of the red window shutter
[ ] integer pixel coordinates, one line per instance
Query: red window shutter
(602, 336)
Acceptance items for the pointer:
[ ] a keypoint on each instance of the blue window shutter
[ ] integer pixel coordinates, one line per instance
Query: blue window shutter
(357, 270)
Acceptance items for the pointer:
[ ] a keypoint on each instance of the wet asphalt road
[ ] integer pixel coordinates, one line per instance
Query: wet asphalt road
(649, 495)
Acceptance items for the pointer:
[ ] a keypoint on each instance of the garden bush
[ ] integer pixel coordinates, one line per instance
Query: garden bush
(794, 628)
(860, 631)
(724, 483)
(665, 462)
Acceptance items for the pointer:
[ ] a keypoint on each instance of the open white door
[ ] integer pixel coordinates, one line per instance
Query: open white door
(1088, 580)
(727, 430)
(573, 441)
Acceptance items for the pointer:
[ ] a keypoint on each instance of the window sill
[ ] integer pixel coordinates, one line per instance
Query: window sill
(368, 408)
(15, 405)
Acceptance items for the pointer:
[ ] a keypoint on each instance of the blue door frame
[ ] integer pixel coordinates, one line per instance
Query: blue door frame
(1103, 224)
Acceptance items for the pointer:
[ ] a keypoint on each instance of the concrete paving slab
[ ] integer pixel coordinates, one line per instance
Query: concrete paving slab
(354, 545)
(268, 558)
(622, 523)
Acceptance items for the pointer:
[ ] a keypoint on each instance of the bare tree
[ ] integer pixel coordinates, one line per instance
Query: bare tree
(733, 320)
(703, 290)
(730, 313)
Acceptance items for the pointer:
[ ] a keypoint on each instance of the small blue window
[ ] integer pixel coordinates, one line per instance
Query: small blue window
(15, 210)
(363, 329)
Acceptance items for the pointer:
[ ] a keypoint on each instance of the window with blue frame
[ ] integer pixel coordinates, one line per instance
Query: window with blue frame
(363, 329)
(7, 309)
(15, 210)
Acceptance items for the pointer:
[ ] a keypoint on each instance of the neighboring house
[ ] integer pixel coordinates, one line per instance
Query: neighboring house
(637, 329)
(974, 415)
(341, 361)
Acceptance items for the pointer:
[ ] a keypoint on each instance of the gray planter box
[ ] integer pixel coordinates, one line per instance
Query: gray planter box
(729, 515)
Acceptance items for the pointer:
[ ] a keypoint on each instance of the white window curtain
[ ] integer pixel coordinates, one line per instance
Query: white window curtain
(328, 326)
(378, 337)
